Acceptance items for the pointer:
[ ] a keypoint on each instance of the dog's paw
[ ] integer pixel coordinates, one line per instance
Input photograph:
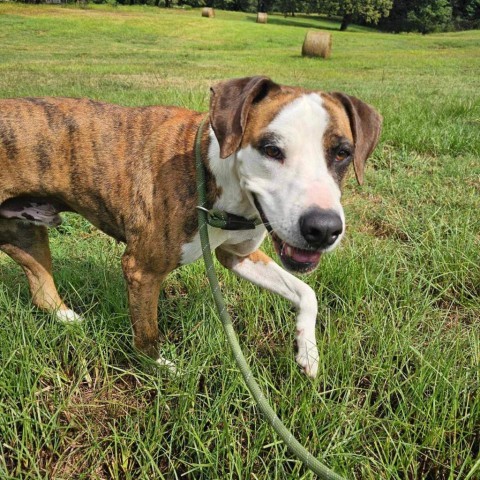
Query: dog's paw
(307, 358)
(69, 316)
(163, 362)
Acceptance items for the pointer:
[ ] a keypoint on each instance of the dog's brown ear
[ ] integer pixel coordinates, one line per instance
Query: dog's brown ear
(366, 125)
(230, 103)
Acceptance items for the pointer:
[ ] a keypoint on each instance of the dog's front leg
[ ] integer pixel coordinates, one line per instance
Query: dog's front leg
(264, 272)
(143, 284)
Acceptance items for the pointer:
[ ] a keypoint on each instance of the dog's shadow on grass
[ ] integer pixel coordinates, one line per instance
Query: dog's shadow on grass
(94, 289)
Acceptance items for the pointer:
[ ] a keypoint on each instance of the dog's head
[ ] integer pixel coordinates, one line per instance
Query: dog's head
(292, 148)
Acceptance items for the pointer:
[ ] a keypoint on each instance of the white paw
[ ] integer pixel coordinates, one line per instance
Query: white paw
(69, 316)
(307, 357)
(163, 362)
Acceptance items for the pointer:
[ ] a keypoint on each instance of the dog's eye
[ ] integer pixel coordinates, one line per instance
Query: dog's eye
(342, 154)
(273, 152)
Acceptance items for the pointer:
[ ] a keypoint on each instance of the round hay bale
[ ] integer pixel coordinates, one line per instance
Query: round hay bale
(317, 44)
(208, 12)
(262, 17)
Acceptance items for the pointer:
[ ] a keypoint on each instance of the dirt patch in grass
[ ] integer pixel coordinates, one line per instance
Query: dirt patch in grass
(382, 229)
(85, 423)
(88, 418)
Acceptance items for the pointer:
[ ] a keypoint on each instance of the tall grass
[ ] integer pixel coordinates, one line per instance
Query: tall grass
(398, 391)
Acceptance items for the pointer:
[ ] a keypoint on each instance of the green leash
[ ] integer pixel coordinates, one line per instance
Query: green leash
(300, 452)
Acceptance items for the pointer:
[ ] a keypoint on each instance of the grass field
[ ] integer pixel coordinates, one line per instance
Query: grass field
(399, 302)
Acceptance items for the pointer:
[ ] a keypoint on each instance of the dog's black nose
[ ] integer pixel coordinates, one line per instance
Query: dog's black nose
(320, 228)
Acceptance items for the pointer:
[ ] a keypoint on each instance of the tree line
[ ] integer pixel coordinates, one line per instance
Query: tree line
(423, 16)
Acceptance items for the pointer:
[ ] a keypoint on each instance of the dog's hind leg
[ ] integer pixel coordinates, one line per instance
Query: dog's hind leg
(27, 244)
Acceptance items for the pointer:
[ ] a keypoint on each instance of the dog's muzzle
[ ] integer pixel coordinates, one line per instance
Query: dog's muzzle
(318, 233)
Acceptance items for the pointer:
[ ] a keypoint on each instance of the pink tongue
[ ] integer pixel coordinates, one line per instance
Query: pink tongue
(302, 256)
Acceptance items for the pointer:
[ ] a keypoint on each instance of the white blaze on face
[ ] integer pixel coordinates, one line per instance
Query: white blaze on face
(287, 189)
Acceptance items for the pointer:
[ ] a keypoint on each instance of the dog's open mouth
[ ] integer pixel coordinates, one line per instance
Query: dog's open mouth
(293, 258)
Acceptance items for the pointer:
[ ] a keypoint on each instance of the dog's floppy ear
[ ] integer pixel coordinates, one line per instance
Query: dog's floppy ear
(366, 125)
(230, 103)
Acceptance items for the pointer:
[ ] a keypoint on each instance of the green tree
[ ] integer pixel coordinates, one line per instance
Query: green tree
(288, 6)
(466, 13)
(238, 5)
(429, 15)
(368, 10)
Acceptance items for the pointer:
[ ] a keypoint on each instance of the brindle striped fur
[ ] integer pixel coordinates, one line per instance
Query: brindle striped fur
(129, 171)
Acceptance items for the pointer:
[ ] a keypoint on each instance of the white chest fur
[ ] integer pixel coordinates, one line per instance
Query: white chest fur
(241, 242)
(193, 251)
